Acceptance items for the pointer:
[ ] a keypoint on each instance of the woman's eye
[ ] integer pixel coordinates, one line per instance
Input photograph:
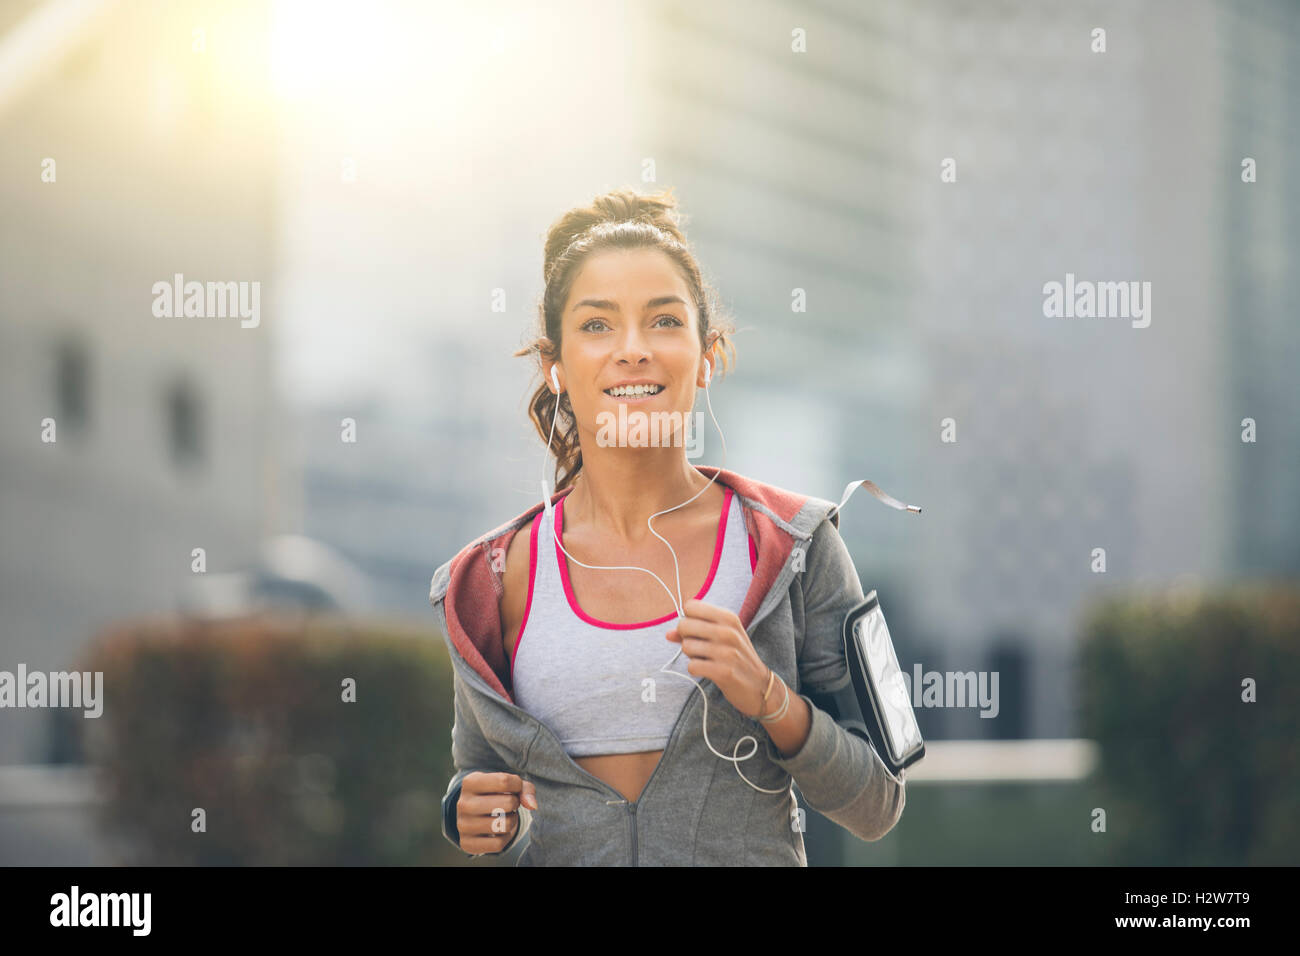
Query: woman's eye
(587, 326)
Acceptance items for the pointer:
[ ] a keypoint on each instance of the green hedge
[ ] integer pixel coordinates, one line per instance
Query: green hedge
(246, 720)
(1190, 774)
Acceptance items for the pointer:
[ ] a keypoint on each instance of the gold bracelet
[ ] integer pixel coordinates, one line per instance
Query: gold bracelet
(780, 711)
(771, 676)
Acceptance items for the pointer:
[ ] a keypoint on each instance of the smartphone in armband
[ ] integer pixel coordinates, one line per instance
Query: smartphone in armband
(872, 699)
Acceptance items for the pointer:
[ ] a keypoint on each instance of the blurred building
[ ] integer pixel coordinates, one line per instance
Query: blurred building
(1257, 240)
(875, 301)
(133, 146)
(1083, 433)
(399, 497)
(815, 175)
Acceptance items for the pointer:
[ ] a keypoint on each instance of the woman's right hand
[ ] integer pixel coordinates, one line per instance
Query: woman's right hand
(487, 812)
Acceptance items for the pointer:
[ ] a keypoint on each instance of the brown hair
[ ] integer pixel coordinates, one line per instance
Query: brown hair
(621, 219)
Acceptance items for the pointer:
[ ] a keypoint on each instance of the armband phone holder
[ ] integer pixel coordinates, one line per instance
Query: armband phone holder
(871, 701)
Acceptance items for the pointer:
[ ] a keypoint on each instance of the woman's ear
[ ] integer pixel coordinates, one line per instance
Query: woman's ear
(710, 356)
(544, 347)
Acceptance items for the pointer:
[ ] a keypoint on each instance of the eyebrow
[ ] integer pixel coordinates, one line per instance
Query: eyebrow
(610, 305)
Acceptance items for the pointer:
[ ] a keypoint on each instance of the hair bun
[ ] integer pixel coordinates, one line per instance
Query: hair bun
(617, 206)
(625, 205)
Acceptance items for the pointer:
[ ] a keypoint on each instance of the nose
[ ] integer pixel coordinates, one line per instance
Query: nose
(631, 347)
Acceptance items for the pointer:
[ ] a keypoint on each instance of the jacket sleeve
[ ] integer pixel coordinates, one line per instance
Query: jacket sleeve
(839, 774)
(470, 751)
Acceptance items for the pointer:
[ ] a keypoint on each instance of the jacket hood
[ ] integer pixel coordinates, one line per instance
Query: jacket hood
(469, 586)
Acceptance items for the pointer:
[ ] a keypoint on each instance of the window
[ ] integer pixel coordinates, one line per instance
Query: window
(72, 387)
(184, 424)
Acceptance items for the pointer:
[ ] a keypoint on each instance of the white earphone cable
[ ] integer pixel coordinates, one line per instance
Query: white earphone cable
(678, 603)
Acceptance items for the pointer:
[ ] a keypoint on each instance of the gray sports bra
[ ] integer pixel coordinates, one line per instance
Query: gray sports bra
(597, 684)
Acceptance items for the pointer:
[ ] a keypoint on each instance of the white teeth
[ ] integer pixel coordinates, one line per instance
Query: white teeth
(634, 391)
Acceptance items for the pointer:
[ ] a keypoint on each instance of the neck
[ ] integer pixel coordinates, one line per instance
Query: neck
(619, 492)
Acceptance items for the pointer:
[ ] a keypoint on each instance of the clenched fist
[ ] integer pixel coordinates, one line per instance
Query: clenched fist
(487, 814)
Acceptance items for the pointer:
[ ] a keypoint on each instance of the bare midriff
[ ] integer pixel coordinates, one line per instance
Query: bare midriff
(626, 773)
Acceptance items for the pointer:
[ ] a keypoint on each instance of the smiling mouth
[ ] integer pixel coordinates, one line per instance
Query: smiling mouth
(637, 391)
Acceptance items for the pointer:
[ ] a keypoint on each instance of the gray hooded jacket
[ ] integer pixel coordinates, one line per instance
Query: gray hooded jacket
(695, 809)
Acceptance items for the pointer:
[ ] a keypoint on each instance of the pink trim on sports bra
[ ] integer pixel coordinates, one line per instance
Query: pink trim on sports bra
(573, 601)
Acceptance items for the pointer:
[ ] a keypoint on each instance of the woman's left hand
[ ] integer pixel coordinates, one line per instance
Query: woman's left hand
(719, 649)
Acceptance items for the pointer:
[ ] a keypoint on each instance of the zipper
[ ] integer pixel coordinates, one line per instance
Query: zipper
(479, 683)
(631, 809)
(779, 586)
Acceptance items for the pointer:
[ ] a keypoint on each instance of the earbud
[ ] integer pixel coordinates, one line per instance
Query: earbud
(555, 377)
(708, 372)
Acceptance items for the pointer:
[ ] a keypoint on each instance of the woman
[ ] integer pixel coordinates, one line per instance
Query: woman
(569, 724)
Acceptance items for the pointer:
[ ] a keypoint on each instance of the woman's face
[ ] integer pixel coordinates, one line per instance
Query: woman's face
(629, 317)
